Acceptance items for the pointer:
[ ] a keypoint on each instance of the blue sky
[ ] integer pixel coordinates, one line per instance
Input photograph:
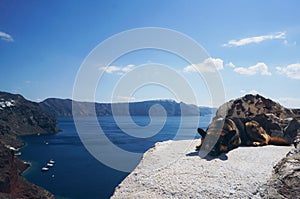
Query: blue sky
(253, 44)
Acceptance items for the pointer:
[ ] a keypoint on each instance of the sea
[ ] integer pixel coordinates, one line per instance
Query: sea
(78, 174)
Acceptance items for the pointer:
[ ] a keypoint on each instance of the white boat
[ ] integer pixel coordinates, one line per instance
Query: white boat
(12, 148)
(48, 165)
(45, 169)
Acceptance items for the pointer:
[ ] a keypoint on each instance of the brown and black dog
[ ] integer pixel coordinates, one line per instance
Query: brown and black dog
(226, 134)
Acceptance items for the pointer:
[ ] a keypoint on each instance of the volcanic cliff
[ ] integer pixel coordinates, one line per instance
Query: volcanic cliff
(19, 117)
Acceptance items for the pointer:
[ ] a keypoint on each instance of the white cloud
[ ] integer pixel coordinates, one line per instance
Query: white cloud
(291, 71)
(208, 65)
(230, 64)
(110, 69)
(127, 68)
(257, 39)
(117, 69)
(6, 37)
(260, 67)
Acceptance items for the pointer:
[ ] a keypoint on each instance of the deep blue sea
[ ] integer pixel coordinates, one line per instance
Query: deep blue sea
(76, 173)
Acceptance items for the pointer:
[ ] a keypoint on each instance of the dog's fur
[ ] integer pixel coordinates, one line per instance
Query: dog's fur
(229, 133)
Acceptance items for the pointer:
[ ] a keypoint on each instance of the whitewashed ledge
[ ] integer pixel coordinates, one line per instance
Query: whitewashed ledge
(172, 169)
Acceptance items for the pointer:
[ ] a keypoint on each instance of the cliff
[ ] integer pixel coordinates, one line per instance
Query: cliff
(23, 117)
(12, 185)
(19, 117)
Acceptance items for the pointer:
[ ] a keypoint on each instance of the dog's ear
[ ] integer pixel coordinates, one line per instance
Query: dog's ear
(201, 132)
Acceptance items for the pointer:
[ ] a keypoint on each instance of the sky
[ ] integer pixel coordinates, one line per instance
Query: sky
(252, 45)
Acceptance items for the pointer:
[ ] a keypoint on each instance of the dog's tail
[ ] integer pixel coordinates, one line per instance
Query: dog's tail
(279, 141)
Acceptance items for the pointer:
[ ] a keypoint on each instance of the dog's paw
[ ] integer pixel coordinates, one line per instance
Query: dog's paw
(256, 143)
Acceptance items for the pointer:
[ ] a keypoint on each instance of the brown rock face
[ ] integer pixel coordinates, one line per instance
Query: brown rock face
(285, 179)
(252, 105)
(12, 185)
(18, 117)
(274, 118)
(292, 130)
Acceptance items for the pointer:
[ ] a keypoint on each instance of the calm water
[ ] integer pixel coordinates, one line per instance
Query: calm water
(76, 173)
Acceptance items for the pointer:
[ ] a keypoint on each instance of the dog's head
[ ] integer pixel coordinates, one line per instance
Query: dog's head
(220, 137)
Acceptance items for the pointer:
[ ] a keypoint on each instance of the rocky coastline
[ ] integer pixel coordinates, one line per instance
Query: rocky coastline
(12, 184)
(19, 117)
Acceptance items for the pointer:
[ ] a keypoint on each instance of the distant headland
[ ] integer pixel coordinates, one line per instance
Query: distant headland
(63, 107)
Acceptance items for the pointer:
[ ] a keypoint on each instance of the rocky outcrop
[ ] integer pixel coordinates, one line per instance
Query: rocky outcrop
(12, 185)
(285, 180)
(292, 130)
(274, 118)
(252, 105)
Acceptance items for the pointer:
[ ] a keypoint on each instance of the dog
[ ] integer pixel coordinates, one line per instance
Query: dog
(223, 135)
